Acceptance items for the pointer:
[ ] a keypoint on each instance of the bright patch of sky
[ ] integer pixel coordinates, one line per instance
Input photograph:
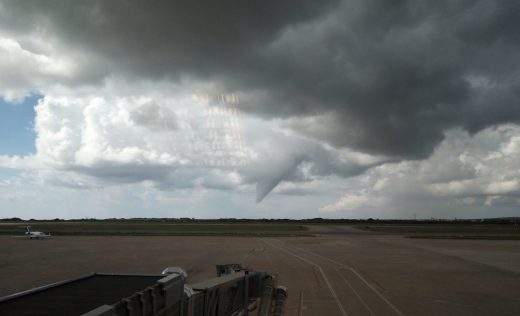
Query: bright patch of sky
(6, 173)
(17, 136)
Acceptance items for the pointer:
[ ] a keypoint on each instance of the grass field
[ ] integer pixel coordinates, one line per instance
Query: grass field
(159, 228)
(447, 231)
(143, 228)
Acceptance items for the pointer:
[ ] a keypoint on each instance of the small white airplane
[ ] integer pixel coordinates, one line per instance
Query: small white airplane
(35, 235)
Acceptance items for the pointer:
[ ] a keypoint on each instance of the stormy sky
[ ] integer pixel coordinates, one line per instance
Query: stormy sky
(292, 109)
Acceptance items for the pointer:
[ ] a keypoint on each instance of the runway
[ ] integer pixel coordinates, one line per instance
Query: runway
(355, 291)
(332, 274)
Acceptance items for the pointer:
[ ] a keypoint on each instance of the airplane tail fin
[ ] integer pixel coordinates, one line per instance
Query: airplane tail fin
(27, 230)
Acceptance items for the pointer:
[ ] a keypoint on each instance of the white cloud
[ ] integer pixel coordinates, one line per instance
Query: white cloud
(17, 162)
(220, 179)
(158, 136)
(479, 169)
(354, 201)
(24, 71)
(92, 134)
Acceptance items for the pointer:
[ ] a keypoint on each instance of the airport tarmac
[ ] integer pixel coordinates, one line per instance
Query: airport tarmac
(347, 273)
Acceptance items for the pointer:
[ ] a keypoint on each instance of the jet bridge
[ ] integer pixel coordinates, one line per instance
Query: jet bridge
(235, 291)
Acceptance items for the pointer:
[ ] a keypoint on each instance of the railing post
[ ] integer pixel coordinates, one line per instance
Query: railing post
(246, 292)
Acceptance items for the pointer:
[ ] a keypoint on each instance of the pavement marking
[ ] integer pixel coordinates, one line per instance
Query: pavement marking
(316, 277)
(377, 292)
(355, 292)
(332, 292)
(387, 301)
(300, 310)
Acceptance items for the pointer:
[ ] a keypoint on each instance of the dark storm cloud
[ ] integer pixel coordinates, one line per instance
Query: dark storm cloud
(390, 79)
(164, 38)
(377, 76)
